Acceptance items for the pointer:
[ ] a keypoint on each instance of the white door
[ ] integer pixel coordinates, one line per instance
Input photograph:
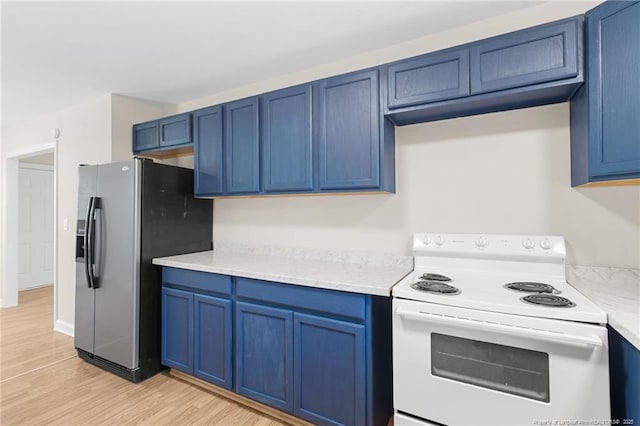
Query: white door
(35, 226)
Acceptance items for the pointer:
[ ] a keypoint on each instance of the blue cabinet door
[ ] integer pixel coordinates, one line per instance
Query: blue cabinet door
(207, 147)
(264, 354)
(213, 342)
(145, 136)
(175, 130)
(429, 78)
(624, 368)
(330, 366)
(286, 140)
(613, 90)
(349, 131)
(530, 56)
(177, 329)
(241, 145)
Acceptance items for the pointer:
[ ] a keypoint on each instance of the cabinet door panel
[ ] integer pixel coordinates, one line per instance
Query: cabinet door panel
(212, 358)
(614, 89)
(349, 128)
(177, 329)
(534, 55)
(241, 147)
(286, 140)
(264, 354)
(145, 136)
(429, 78)
(208, 160)
(175, 130)
(330, 366)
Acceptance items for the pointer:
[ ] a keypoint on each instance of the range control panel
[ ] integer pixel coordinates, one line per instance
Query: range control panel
(491, 246)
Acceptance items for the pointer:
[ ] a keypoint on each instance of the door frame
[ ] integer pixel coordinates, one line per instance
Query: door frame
(9, 284)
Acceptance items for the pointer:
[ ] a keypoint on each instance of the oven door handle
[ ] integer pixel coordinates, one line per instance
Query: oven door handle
(513, 330)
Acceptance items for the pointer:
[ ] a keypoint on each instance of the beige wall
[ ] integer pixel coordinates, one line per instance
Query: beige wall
(125, 112)
(94, 132)
(85, 137)
(506, 172)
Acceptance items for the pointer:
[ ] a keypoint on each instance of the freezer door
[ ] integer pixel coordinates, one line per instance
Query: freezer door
(84, 309)
(117, 263)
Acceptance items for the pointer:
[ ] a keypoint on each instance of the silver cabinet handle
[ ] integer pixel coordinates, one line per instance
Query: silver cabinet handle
(513, 330)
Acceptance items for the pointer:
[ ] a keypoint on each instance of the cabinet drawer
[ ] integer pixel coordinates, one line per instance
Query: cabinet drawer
(204, 281)
(175, 130)
(535, 55)
(429, 78)
(331, 302)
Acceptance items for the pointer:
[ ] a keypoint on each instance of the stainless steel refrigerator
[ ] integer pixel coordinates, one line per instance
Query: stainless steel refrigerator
(128, 213)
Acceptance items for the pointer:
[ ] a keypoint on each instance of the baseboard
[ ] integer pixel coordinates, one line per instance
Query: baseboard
(63, 327)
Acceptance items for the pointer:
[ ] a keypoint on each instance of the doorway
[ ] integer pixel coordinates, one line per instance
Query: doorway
(13, 244)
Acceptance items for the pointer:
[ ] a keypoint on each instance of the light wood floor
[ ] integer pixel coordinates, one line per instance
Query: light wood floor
(43, 382)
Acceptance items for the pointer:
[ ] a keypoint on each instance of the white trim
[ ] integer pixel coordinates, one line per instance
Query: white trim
(36, 166)
(9, 238)
(64, 327)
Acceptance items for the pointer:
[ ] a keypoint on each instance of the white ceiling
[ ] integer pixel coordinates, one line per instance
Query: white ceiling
(58, 54)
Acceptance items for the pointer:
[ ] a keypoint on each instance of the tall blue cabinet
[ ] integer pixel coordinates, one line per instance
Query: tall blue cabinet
(605, 129)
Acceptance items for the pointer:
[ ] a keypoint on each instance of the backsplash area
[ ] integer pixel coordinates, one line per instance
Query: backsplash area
(501, 173)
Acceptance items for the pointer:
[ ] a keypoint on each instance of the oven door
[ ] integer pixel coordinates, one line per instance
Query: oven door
(463, 366)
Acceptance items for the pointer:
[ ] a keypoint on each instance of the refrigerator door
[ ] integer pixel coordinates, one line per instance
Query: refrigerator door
(85, 301)
(117, 260)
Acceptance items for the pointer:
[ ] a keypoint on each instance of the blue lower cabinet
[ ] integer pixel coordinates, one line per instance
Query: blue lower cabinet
(624, 369)
(329, 377)
(264, 354)
(177, 329)
(213, 337)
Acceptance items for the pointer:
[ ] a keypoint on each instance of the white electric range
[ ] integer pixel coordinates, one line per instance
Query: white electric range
(486, 330)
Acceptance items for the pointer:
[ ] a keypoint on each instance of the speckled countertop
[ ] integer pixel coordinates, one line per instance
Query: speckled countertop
(364, 273)
(616, 291)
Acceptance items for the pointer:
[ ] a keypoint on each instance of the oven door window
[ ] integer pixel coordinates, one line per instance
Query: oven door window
(506, 369)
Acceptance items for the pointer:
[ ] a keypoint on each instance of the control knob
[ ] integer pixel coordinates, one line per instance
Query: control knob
(545, 244)
(426, 240)
(439, 240)
(481, 242)
(528, 243)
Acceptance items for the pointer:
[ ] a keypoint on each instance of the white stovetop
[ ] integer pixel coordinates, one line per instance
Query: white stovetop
(483, 291)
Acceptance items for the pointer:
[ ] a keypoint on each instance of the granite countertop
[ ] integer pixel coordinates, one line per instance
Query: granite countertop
(364, 273)
(616, 291)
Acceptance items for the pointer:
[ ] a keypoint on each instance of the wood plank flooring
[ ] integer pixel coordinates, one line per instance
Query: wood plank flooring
(43, 382)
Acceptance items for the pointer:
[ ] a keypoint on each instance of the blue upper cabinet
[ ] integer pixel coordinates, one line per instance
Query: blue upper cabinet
(605, 129)
(286, 140)
(208, 154)
(534, 55)
(163, 136)
(536, 66)
(429, 78)
(349, 132)
(241, 146)
(145, 136)
(175, 130)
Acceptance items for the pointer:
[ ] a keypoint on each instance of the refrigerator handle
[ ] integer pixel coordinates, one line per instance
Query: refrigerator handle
(95, 260)
(88, 240)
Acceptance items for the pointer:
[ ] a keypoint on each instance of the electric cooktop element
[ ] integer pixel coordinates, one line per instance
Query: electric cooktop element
(532, 287)
(434, 277)
(436, 287)
(548, 300)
